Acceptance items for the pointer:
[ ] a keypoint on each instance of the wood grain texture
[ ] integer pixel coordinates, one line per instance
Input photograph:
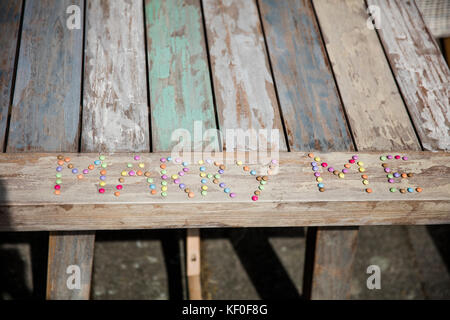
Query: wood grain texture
(312, 111)
(376, 113)
(46, 104)
(68, 249)
(420, 69)
(290, 197)
(243, 84)
(180, 90)
(334, 254)
(10, 12)
(115, 113)
(180, 86)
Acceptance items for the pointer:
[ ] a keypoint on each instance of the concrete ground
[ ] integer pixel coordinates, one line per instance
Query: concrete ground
(258, 263)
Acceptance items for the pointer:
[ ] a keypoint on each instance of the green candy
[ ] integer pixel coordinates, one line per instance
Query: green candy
(383, 158)
(102, 158)
(261, 187)
(104, 165)
(149, 180)
(129, 165)
(390, 176)
(164, 194)
(163, 171)
(58, 175)
(393, 190)
(164, 183)
(204, 193)
(58, 181)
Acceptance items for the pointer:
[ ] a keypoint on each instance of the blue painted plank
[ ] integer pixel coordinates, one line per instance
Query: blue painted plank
(46, 105)
(10, 12)
(310, 104)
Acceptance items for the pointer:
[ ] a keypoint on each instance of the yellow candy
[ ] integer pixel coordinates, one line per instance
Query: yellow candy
(341, 175)
(174, 176)
(239, 163)
(164, 188)
(362, 169)
(200, 162)
(123, 173)
(205, 188)
(141, 165)
(360, 163)
(102, 183)
(202, 174)
(365, 182)
(319, 179)
(316, 159)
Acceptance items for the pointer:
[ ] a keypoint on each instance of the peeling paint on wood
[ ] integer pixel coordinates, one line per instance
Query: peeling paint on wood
(312, 111)
(420, 69)
(180, 86)
(374, 107)
(243, 84)
(115, 111)
(46, 104)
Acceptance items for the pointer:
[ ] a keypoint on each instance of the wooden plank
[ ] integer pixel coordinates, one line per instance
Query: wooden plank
(115, 114)
(290, 198)
(76, 251)
(180, 89)
(193, 264)
(314, 119)
(420, 69)
(243, 84)
(180, 86)
(312, 111)
(376, 114)
(46, 104)
(10, 12)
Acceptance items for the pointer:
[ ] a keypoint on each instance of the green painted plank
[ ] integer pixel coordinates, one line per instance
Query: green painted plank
(180, 86)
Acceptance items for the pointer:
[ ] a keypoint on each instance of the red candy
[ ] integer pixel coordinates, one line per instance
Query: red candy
(57, 187)
(255, 198)
(397, 157)
(101, 190)
(351, 161)
(324, 164)
(119, 187)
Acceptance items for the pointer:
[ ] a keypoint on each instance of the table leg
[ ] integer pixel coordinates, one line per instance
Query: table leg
(193, 263)
(70, 257)
(330, 253)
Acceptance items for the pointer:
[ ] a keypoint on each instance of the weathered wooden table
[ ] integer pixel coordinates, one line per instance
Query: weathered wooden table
(129, 74)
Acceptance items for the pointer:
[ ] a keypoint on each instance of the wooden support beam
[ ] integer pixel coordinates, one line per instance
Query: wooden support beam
(290, 197)
(193, 264)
